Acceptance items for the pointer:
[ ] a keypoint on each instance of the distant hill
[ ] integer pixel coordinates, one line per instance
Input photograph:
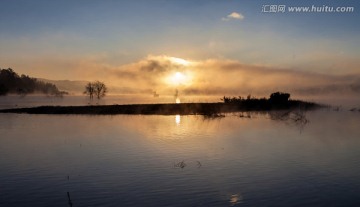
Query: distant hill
(12, 83)
(70, 86)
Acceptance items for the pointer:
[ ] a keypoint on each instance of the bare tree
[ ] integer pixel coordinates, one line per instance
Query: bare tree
(96, 88)
(100, 89)
(90, 90)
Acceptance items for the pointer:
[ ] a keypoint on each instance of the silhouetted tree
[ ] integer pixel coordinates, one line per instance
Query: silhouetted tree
(233, 99)
(11, 82)
(277, 100)
(89, 90)
(279, 97)
(96, 88)
(3, 90)
(100, 89)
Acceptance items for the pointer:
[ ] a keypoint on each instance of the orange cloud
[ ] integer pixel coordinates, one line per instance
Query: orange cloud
(204, 77)
(218, 77)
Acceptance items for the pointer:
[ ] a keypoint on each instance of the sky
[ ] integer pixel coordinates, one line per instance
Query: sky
(228, 46)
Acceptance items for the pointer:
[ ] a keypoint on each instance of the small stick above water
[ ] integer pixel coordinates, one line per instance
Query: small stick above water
(69, 199)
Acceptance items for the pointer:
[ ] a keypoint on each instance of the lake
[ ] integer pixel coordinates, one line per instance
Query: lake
(250, 159)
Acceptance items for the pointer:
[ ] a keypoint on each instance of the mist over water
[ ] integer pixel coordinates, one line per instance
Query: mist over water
(251, 159)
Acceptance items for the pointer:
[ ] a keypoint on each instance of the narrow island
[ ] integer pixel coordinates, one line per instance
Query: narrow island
(276, 101)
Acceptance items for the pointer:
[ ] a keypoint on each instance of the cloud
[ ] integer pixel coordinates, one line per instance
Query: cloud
(143, 76)
(217, 77)
(233, 15)
(158, 64)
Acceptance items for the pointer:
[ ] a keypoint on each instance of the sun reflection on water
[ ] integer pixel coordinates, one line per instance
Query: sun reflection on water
(177, 119)
(235, 199)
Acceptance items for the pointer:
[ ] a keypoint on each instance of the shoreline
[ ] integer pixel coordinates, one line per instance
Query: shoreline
(165, 109)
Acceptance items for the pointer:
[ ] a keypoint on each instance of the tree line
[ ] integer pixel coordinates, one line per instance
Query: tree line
(11, 82)
(277, 100)
(277, 97)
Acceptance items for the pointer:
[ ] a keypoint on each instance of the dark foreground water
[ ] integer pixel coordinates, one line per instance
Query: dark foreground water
(265, 160)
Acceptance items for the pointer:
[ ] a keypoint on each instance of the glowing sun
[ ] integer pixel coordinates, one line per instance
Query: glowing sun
(178, 78)
(181, 76)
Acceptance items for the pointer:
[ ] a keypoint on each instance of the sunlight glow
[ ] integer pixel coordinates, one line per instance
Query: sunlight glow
(178, 78)
(180, 72)
(177, 101)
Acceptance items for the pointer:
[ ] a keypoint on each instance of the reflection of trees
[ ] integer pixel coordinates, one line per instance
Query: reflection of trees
(213, 116)
(293, 117)
(355, 109)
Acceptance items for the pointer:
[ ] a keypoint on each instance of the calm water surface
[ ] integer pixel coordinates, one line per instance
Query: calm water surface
(180, 160)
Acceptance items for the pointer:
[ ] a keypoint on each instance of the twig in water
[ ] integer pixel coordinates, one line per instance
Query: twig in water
(180, 164)
(199, 164)
(69, 199)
